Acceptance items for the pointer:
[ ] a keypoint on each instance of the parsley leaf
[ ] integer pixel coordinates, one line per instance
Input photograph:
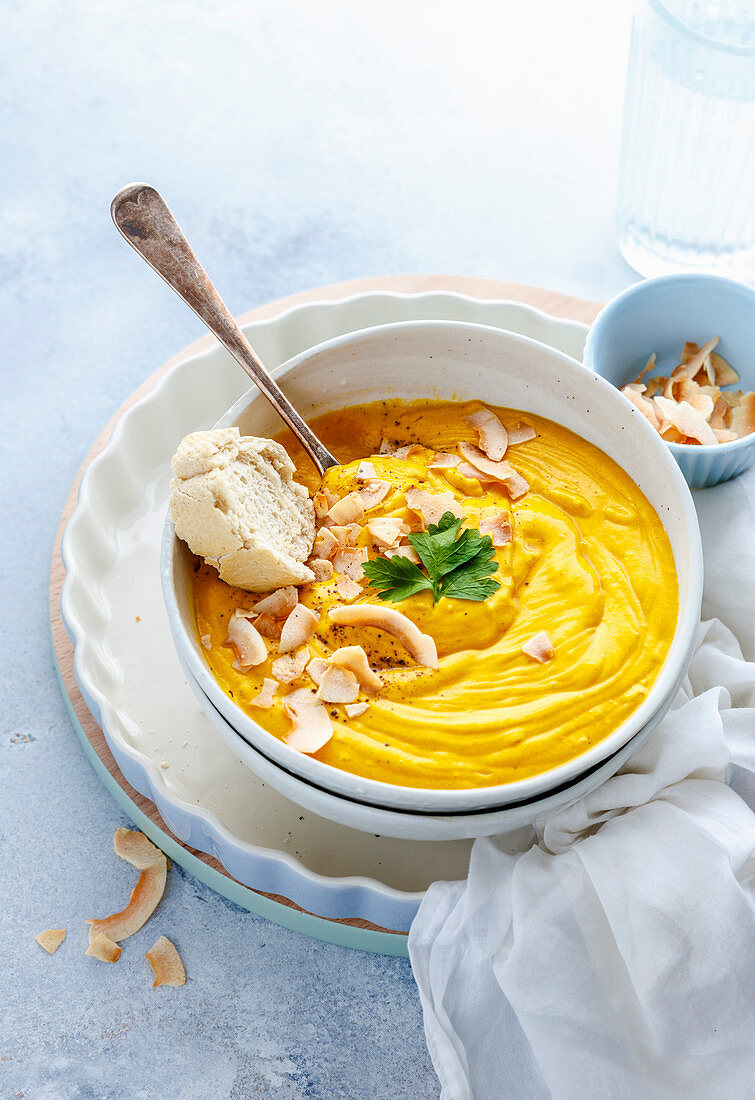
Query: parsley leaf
(459, 565)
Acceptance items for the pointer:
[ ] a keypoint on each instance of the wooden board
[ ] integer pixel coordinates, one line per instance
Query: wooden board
(549, 301)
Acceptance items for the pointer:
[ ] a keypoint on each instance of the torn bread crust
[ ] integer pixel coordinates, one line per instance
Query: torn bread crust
(420, 646)
(492, 437)
(51, 939)
(234, 501)
(311, 728)
(104, 949)
(338, 685)
(166, 963)
(539, 647)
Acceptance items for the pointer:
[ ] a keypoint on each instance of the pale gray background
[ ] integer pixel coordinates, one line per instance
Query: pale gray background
(299, 143)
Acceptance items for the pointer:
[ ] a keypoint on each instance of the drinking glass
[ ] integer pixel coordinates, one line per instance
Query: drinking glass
(687, 176)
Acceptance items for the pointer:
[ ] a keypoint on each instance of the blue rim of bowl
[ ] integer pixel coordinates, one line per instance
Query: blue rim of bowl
(684, 634)
(639, 287)
(708, 40)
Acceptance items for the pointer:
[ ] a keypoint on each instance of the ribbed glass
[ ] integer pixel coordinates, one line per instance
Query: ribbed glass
(687, 175)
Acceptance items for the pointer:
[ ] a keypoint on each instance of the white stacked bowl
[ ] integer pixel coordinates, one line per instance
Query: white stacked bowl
(453, 360)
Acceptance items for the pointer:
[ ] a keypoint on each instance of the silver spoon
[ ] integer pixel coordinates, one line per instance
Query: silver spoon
(143, 219)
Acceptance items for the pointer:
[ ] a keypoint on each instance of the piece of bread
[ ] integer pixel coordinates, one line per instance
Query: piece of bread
(234, 501)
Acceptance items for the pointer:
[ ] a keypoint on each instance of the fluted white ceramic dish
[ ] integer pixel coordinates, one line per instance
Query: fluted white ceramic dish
(448, 359)
(205, 795)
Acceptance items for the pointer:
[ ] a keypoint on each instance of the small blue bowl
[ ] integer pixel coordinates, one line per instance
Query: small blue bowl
(661, 315)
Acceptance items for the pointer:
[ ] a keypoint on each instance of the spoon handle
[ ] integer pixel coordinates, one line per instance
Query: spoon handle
(144, 220)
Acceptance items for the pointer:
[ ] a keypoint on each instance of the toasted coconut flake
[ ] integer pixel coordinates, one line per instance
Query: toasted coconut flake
(648, 367)
(420, 646)
(408, 451)
(723, 372)
(348, 589)
(431, 506)
(520, 433)
(702, 403)
(247, 642)
(501, 471)
(725, 435)
(290, 666)
(139, 851)
(672, 434)
(350, 561)
(720, 418)
(338, 685)
(51, 939)
(498, 526)
(693, 363)
(354, 710)
(269, 626)
(386, 530)
(365, 472)
(354, 658)
(323, 501)
(387, 447)
(244, 613)
(467, 470)
(326, 544)
(104, 949)
(405, 550)
(653, 385)
(279, 603)
(322, 568)
(442, 460)
(297, 629)
(685, 419)
(539, 647)
(491, 434)
(347, 536)
(166, 963)
(516, 486)
(264, 700)
(317, 668)
(642, 404)
(373, 493)
(743, 415)
(206, 641)
(347, 510)
(311, 727)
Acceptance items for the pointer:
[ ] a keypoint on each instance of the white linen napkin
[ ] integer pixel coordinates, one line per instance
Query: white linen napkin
(612, 953)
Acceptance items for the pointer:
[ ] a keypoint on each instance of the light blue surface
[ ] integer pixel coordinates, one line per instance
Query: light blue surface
(298, 144)
(661, 315)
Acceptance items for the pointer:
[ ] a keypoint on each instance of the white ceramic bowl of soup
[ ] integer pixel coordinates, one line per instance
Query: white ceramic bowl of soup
(448, 360)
